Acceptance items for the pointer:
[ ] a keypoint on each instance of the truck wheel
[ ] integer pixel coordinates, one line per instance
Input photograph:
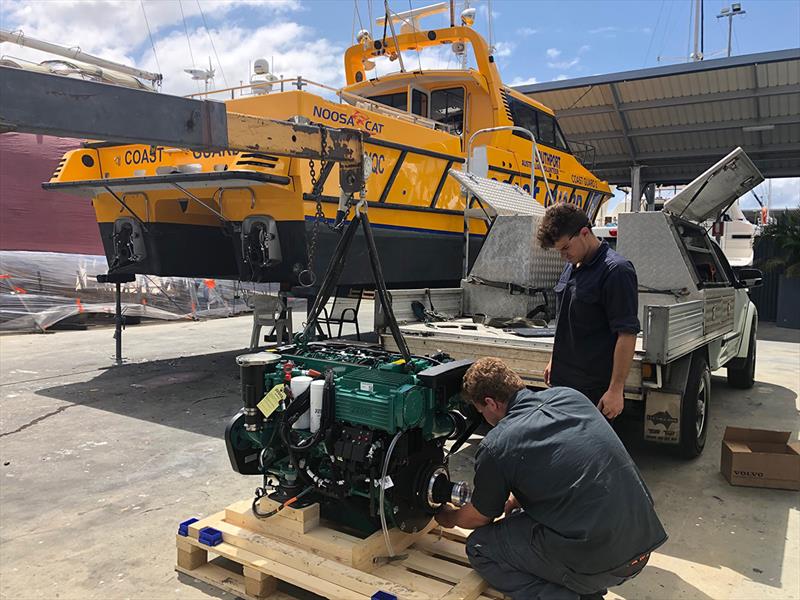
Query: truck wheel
(695, 408)
(742, 372)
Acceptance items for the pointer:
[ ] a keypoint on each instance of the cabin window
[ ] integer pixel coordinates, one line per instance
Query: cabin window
(398, 100)
(547, 129)
(524, 116)
(447, 106)
(419, 103)
(561, 141)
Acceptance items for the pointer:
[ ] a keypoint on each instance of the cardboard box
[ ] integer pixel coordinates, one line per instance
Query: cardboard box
(760, 458)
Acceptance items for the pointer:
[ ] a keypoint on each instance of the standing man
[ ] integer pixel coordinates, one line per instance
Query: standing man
(597, 306)
(579, 518)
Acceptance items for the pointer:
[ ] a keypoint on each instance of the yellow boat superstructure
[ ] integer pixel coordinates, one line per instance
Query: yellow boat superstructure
(252, 216)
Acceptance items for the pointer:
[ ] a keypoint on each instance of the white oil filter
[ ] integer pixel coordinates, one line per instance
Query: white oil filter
(317, 388)
(299, 385)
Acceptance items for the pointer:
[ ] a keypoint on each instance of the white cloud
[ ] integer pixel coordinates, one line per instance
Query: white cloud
(584, 48)
(523, 81)
(527, 31)
(785, 193)
(290, 45)
(564, 64)
(121, 35)
(603, 30)
(115, 29)
(561, 77)
(553, 53)
(503, 49)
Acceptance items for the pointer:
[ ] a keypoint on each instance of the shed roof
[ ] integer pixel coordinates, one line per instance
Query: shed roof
(677, 120)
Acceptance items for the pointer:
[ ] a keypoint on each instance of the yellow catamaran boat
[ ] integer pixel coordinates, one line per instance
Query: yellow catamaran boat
(256, 217)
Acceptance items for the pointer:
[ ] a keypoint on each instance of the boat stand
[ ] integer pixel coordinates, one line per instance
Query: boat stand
(118, 279)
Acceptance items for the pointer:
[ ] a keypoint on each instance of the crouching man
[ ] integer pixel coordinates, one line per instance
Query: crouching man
(579, 518)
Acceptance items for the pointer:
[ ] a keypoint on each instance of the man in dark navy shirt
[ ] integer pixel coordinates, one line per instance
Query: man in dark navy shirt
(579, 518)
(597, 306)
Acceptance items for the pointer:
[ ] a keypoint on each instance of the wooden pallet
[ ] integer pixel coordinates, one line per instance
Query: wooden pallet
(293, 546)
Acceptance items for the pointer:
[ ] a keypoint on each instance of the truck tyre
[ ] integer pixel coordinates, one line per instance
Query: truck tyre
(742, 371)
(695, 407)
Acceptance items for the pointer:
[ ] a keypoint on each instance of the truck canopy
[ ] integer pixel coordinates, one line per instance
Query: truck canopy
(711, 193)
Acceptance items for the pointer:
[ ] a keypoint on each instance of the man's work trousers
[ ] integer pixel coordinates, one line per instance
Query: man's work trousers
(511, 557)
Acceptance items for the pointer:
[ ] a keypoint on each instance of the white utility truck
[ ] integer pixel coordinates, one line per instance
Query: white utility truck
(694, 308)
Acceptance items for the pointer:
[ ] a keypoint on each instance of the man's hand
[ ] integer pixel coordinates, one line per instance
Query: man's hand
(446, 517)
(547, 370)
(511, 504)
(612, 403)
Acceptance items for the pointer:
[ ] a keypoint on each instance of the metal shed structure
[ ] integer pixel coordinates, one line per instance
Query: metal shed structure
(666, 125)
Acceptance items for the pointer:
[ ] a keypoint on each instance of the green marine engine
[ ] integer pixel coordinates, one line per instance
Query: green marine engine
(355, 428)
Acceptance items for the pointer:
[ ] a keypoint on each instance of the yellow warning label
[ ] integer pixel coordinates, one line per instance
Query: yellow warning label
(272, 400)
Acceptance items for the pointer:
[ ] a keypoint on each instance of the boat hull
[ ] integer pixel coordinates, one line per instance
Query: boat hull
(409, 257)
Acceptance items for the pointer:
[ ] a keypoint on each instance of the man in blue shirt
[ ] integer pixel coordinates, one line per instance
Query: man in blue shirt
(597, 306)
(579, 518)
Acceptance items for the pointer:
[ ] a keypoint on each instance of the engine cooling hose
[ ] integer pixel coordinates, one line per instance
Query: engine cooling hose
(382, 494)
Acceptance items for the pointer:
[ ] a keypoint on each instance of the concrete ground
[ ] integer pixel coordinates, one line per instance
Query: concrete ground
(100, 463)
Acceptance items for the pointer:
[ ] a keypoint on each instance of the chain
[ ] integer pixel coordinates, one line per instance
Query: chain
(319, 216)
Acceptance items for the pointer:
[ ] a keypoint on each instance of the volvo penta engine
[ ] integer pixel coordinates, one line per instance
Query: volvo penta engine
(357, 429)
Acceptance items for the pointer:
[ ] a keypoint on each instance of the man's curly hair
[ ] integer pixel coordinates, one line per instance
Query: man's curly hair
(561, 219)
(490, 377)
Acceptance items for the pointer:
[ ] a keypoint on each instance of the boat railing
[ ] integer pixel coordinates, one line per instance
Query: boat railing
(343, 96)
(585, 153)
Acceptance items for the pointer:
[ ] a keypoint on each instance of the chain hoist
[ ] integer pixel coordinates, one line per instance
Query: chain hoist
(319, 215)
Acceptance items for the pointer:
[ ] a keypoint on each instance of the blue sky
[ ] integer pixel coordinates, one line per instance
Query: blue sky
(535, 41)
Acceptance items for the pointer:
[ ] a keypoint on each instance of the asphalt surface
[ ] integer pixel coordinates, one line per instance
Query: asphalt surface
(99, 464)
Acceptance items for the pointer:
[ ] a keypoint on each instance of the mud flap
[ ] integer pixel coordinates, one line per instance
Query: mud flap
(662, 411)
(662, 414)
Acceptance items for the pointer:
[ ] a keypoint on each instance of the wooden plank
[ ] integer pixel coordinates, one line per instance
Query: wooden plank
(443, 547)
(258, 584)
(469, 588)
(219, 577)
(327, 542)
(375, 545)
(195, 527)
(420, 583)
(313, 565)
(190, 557)
(228, 581)
(287, 573)
(298, 521)
(430, 565)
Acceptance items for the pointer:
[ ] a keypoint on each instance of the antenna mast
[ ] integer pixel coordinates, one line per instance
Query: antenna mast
(18, 37)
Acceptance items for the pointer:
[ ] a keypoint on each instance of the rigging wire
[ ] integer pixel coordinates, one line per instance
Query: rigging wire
(689, 39)
(186, 31)
(353, 30)
(150, 35)
(419, 57)
(210, 39)
(188, 41)
(371, 20)
(667, 29)
(491, 28)
(358, 12)
(653, 33)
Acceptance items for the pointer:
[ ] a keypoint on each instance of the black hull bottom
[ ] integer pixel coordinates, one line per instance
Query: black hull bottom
(410, 258)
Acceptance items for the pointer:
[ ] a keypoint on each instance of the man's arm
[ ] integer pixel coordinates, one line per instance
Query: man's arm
(613, 401)
(621, 299)
(467, 517)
